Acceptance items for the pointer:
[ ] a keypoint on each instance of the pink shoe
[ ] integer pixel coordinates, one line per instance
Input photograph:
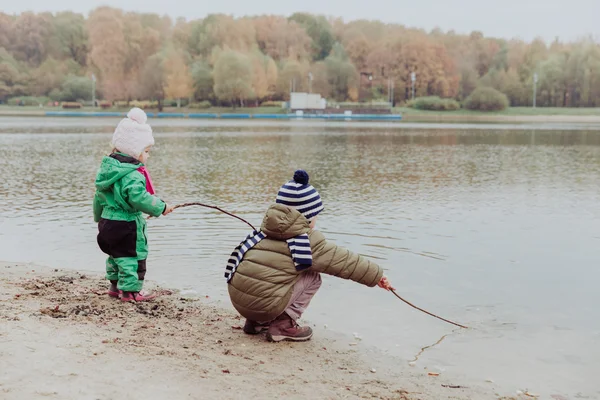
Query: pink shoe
(113, 291)
(135, 297)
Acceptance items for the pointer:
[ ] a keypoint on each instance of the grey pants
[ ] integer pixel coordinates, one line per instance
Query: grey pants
(304, 290)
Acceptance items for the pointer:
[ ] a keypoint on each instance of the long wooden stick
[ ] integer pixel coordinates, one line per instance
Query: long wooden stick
(427, 312)
(254, 229)
(214, 208)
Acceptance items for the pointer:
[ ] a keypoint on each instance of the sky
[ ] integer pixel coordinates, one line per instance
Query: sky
(525, 19)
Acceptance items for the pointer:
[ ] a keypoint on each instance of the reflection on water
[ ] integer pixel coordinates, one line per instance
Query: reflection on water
(493, 226)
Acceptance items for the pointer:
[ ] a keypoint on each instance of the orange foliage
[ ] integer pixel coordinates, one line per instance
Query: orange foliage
(37, 51)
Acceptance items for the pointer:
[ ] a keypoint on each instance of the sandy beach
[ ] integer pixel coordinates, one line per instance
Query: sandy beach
(62, 338)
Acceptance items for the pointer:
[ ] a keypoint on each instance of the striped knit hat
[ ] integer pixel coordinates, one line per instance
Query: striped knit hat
(298, 194)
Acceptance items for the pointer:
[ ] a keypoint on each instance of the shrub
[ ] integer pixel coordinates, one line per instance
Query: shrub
(202, 105)
(55, 94)
(104, 104)
(28, 101)
(76, 88)
(486, 99)
(434, 103)
(173, 102)
(353, 105)
(71, 104)
(271, 104)
(144, 104)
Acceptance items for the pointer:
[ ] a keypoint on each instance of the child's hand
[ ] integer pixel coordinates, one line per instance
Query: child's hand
(168, 209)
(385, 284)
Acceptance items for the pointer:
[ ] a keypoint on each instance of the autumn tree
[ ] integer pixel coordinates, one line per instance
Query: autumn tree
(31, 33)
(516, 92)
(264, 75)
(12, 81)
(51, 74)
(120, 45)
(281, 38)
(162, 25)
(552, 86)
(358, 48)
(76, 88)
(399, 57)
(531, 58)
(178, 80)
(6, 30)
(233, 77)
(292, 75)
(468, 81)
(71, 37)
(319, 30)
(181, 34)
(202, 76)
(152, 80)
(583, 74)
(341, 74)
(223, 31)
(109, 49)
(482, 52)
(320, 79)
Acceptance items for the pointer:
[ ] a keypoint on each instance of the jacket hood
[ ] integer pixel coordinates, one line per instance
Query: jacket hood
(113, 168)
(282, 222)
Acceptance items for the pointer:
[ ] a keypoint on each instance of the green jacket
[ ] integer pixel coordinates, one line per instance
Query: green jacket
(262, 285)
(121, 191)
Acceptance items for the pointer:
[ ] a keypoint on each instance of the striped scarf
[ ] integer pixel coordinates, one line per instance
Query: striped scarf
(299, 248)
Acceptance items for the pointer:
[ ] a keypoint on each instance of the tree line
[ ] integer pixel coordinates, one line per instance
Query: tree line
(230, 61)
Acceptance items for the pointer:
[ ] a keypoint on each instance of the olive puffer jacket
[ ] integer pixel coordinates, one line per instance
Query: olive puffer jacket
(262, 285)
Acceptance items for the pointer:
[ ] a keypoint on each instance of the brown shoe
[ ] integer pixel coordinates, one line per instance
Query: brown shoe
(285, 328)
(254, 328)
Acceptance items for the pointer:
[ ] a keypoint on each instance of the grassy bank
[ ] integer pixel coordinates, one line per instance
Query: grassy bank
(513, 114)
(511, 111)
(213, 110)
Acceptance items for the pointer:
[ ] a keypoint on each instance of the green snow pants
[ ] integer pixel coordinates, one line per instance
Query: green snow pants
(127, 246)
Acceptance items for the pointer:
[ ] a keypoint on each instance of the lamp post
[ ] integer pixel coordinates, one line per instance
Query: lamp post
(413, 78)
(310, 79)
(93, 90)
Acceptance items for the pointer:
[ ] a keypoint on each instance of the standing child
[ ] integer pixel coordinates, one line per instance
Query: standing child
(124, 192)
(275, 272)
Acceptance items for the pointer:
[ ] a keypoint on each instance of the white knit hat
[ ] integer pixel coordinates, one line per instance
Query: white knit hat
(133, 135)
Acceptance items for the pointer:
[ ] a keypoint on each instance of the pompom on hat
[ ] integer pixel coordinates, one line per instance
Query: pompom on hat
(133, 134)
(302, 196)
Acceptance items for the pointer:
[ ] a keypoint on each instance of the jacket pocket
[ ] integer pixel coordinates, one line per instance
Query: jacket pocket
(117, 238)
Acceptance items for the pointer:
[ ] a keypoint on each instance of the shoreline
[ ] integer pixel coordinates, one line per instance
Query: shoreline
(397, 117)
(501, 118)
(62, 338)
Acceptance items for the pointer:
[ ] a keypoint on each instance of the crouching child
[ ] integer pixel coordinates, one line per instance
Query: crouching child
(275, 272)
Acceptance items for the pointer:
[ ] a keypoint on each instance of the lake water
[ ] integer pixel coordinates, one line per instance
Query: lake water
(494, 226)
